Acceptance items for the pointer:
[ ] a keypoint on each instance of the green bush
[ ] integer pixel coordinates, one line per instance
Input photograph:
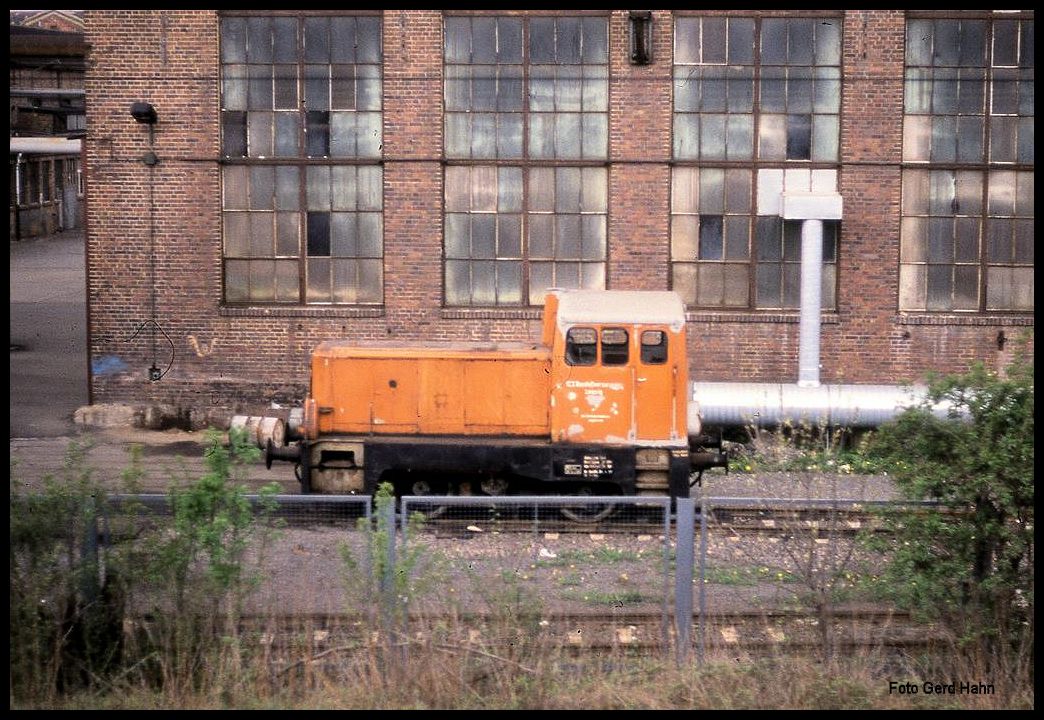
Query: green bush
(973, 562)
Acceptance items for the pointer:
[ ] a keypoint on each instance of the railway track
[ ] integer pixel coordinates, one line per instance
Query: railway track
(755, 631)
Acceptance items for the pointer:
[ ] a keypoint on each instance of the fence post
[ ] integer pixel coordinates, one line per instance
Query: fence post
(683, 570)
(704, 514)
(389, 600)
(665, 628)
(89, 554)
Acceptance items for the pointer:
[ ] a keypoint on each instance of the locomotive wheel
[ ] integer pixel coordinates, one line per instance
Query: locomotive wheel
(495, 485)
(423, 487)
(587, 513)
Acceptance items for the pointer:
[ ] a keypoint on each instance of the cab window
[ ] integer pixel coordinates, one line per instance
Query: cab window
(654, 347)
(614, 346)
(581, 346)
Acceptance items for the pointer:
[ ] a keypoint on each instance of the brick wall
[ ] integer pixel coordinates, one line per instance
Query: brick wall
(238, 358)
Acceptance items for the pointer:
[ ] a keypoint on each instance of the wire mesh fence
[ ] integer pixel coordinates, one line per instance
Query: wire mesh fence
(587, 572)
(787, 572)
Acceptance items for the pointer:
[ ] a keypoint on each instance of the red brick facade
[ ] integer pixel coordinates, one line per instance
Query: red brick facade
(167, 252)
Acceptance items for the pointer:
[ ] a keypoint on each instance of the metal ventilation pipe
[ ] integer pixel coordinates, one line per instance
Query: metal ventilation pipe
(770, 404)
(811, 302)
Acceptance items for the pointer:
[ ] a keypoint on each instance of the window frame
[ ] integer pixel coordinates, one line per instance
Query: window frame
(570, 354)
(914, 251)
(302, 162)
(590, 271)
(752, 165)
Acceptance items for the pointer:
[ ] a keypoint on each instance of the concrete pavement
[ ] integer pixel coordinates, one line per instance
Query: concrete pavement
(48, 334)
(48, 382)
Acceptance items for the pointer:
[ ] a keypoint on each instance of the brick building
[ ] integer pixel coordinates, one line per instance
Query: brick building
(46, 120)
(427, 175)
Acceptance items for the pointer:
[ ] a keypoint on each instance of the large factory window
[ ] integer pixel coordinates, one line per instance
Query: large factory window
(967, 232)
(301, 142)
(522, 89)
(752, 93)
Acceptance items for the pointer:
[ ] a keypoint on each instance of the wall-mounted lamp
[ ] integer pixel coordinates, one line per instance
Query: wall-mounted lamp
(641, 36)
(143, 112)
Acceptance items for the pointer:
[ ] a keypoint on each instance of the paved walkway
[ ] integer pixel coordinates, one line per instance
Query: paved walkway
(48, 334)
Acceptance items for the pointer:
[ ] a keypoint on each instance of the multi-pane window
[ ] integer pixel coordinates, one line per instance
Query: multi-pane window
(754, 95)
(301, 138)
(500, 252)
(784, 105)
(778, 272)
(714, 235)
(967, 233)
(947, 244)
(519, 89)
(527, 87)
(969, 91)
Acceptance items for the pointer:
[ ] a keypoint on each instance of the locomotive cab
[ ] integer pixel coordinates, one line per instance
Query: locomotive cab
(619, 374)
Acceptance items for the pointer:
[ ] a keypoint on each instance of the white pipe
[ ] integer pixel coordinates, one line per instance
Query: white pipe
(811, 302)
(771, 404)
(18, 180)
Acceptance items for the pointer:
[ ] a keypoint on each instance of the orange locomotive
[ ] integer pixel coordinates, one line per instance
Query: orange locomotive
(598, 407)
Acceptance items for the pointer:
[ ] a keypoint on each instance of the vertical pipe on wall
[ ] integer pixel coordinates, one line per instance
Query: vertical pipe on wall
(811, 302)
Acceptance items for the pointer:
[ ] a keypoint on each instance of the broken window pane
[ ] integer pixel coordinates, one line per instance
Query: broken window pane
(318, 133)
(318, 234)
(799, 137)
(711, 237)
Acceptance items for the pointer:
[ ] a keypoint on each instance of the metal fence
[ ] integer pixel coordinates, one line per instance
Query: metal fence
(592, 571)
(586, 572)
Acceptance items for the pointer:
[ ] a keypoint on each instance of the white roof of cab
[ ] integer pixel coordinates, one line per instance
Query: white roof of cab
(625, 307)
